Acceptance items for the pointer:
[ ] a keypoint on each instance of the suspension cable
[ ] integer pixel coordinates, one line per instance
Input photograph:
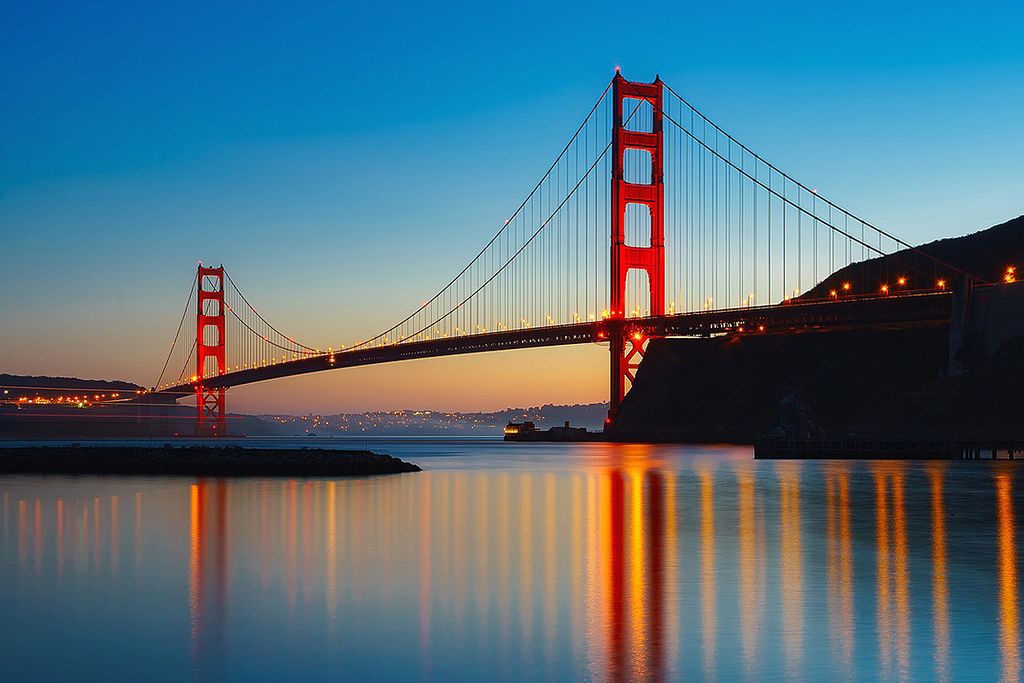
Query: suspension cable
(500, 231)
(266, 339)
(181, 322)
(832, 204)
(771, 190)
(264, 320)
(543, 225)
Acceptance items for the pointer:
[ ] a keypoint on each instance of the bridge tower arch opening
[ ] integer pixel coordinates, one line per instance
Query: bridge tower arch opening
(210, 346)
(629, 340)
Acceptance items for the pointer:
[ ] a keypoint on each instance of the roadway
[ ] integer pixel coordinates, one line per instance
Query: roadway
(907, 309)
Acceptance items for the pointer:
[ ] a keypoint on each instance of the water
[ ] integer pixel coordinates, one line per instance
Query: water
(520, 562)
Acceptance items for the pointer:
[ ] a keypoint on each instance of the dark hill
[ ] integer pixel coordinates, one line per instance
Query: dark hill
(844, 383)
(888, 383)
(970, 253)
(54, 387)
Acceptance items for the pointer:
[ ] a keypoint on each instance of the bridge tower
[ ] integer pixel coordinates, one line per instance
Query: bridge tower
(628, 341)
(210, 405)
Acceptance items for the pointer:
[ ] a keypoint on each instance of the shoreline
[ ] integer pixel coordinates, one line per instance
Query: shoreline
(199, 461)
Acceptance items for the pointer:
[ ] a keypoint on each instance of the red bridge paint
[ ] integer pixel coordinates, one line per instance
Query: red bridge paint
(628, 342)
(210, 406)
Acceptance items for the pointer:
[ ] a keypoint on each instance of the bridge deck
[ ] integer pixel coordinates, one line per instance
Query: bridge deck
(902, 310)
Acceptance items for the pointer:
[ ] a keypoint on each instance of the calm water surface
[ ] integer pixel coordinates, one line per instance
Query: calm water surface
(520, 562)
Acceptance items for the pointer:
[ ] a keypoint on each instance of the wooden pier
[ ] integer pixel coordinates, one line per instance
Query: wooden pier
(885, 449)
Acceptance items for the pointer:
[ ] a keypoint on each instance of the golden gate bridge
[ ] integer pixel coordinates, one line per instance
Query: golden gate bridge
(651, 222)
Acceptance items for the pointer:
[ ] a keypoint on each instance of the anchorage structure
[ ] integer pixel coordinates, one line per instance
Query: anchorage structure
(629, 341)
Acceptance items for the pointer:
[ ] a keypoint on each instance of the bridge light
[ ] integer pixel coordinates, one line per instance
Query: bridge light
(1011, 274)
(834, 294)
(885, 289)
(760, 328)
(901, 281)
(846, 286)
(941, 284)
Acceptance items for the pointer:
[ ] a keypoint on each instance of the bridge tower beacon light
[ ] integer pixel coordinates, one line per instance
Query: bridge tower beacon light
(210, 404)
(627, 345)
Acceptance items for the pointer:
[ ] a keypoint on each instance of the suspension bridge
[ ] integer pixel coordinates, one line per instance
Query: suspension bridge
(651, 222)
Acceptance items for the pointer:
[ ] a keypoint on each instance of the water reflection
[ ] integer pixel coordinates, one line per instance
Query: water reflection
(707, 564)
(791, 556)
(208, 574)
(1008, 606)
(635, 563)
(839, 538)
(751, 564)
(893, 589)
(940, 587)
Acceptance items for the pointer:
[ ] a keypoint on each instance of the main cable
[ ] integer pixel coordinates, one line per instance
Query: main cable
(191, 289)
(500, 231)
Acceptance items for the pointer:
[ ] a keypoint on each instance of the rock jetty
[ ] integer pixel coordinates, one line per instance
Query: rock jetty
(198, 461)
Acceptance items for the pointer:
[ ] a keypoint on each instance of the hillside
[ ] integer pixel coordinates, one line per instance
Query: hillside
(889, 383)
(970, 253)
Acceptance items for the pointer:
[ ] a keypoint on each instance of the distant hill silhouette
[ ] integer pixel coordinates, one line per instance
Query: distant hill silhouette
(54, 387)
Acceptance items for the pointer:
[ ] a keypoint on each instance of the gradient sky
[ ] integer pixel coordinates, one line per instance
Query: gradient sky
(345, 159)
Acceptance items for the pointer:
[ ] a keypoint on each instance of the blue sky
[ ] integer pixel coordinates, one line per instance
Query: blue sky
(344, 159)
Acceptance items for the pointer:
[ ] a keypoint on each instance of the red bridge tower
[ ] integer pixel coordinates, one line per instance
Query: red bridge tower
(628, 341)
(210, 416)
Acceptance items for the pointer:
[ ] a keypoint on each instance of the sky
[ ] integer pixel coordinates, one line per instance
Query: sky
(343, 160)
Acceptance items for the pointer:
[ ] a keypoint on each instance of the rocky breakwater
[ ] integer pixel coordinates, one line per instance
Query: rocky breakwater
(198, 461)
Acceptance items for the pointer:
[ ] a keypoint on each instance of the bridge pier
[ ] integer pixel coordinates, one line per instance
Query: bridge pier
(211, 417)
